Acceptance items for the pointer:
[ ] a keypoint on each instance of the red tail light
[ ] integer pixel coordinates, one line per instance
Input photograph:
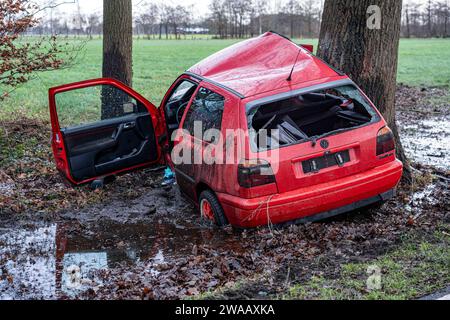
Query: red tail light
(385, 141)
(253, 173)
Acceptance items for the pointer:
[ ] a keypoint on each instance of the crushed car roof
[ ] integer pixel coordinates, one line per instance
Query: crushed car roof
(262, 64)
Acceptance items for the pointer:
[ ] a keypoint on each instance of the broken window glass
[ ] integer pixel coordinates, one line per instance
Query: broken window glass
(206, 108)
(307, 116)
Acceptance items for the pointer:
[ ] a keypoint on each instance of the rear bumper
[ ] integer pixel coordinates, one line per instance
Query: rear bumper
(315, 202)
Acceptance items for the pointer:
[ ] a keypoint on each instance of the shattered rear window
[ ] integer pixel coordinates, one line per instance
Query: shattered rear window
(307, 115)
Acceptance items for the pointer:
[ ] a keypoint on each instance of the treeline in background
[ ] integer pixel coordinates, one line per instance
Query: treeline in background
(237, 19)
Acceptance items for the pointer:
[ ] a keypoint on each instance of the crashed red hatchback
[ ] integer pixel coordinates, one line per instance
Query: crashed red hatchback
(301, 140)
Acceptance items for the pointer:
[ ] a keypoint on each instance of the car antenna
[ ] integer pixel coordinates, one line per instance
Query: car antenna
(293, 67)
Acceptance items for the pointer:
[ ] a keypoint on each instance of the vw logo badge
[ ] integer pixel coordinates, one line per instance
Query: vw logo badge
(324, 144)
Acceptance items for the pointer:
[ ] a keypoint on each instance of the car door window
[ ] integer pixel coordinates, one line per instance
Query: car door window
(177, 102)
(207, 110)
(93, 104)
(182, 91)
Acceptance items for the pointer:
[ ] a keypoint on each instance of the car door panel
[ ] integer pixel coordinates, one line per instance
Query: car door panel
(109, 146)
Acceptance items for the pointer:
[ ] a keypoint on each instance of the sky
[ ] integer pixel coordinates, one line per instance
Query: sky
(200, 7)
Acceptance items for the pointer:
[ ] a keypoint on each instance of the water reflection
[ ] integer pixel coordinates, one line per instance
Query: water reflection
(59, 260)
(428, 141)
(76, 269)
(28, 264)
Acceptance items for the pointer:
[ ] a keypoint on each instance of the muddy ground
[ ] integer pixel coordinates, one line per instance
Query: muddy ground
(136, 240)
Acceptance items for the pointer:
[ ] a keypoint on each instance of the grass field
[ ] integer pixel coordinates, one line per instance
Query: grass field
(158, 62)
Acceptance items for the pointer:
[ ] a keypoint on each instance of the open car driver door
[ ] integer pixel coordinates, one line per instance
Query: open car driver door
(102, 127)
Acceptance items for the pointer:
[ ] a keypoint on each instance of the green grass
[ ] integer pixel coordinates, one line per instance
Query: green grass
(157, 63)
(424, 62)
(416, 268)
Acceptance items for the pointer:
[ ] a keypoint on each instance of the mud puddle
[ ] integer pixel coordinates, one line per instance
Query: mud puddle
(170, 255)
(428, 141)
(63, 258)
(58, 260)
(423, 116)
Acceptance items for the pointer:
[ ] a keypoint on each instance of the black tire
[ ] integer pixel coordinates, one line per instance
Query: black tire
(219, 216)
(97, 184)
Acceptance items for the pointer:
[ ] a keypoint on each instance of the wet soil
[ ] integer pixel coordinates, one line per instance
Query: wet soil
(141, 241)
(423, 117)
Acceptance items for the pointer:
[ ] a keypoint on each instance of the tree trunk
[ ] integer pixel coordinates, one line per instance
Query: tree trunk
(368, 56)
(260, 24)
(310, 25)
(445, 24)
(117, 52)
(291, 26)
(430, 29)
(408, 30)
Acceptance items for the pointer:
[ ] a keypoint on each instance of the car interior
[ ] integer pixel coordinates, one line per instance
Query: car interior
(177, 103)
(112, 144)
(303, 117)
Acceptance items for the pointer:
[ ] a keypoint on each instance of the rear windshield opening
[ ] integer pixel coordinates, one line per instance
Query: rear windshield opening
(304, 117)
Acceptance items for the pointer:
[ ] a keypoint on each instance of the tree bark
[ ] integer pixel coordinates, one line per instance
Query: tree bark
(368, 56)
(117, 52)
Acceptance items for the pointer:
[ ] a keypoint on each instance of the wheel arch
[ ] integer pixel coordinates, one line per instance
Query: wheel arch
(199, 188)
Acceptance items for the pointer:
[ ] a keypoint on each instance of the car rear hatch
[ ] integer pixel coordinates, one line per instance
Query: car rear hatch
(320, 135)
(309, 164)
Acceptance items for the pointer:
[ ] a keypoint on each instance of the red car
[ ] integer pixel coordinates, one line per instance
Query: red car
(302, 142)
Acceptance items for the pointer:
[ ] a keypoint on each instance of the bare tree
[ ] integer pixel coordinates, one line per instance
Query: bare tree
(293, 10)
(428, 19)
(148, 19)
(165, 17)
(429, 14)
(241, 18)
(407, 20)
(244, 9)
(52, 7)
(369, 56)
(415, 14)
(78, 20)
(187, 18)
(93, 23)
(310, 12)
(442, 14)
(178, 16)
(20, 60)
(238, 12)
(260, 9)
(219, 18)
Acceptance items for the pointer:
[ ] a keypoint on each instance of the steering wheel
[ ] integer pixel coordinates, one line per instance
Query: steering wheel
(180, 111)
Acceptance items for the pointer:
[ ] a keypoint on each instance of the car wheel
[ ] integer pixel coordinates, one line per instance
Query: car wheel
(210, 208)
